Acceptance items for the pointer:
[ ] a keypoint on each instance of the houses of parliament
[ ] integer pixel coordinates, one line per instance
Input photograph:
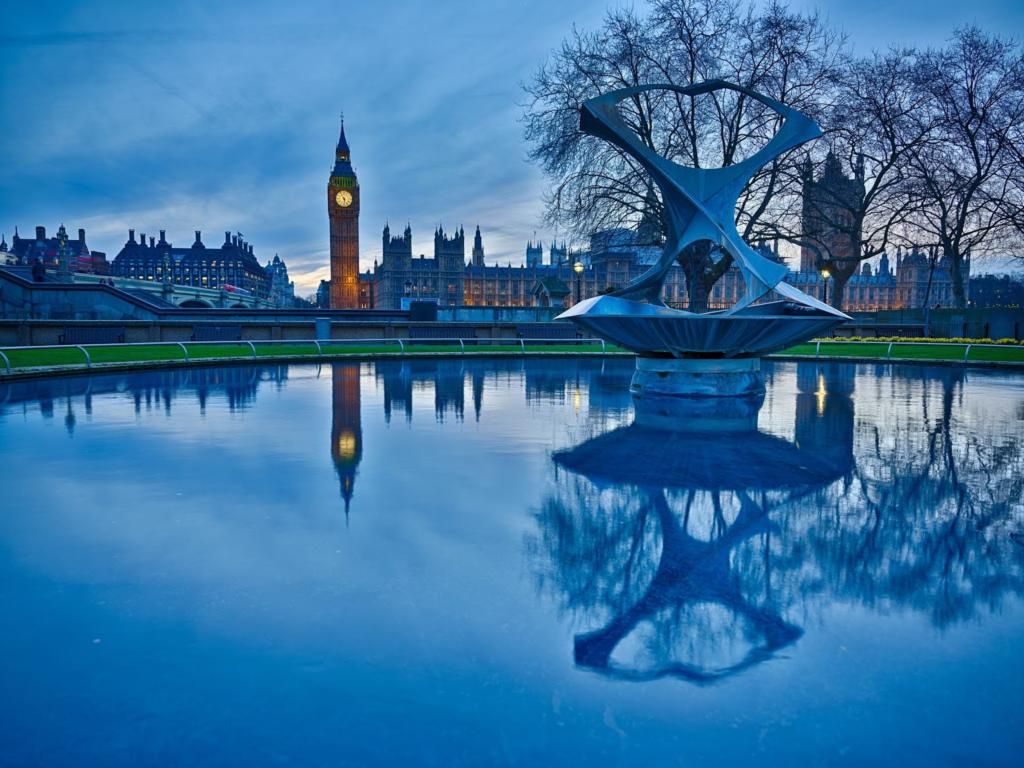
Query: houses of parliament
(614, 258)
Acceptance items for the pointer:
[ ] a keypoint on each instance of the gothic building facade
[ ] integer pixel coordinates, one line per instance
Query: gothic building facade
(446, 278)
(440, 278)
(831, 236)
(281, 290)
(829, 231)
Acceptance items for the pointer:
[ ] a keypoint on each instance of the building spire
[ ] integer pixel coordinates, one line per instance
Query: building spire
(342, 141)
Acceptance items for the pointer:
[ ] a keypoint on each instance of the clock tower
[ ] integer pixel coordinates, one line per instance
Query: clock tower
(343, 213)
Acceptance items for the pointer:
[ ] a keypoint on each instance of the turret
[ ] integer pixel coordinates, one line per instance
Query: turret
(478, 248)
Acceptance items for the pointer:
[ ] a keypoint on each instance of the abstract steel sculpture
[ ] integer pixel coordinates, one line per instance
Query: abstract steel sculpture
(700, 204)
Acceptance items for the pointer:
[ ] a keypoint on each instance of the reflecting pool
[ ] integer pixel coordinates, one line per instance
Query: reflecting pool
(502, 562)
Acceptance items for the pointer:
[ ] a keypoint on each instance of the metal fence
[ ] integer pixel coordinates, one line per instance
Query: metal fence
(193, 351)
(209, 351)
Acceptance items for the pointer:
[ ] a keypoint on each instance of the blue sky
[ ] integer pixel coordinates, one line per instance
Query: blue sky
(223, 116)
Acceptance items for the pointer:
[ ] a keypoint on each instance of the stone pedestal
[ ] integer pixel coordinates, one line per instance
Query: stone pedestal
(697, 378)
(698, 414)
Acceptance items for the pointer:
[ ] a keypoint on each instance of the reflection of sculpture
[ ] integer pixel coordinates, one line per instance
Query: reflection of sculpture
(662, 484)
(700, 205)
(669, 547)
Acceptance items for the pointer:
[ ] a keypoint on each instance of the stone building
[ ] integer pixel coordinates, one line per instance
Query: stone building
(925, 278)
(827, 221)
(232, 264)
(447, 279)
(343, 217)
(7, 259)
(831, 235)
(281, 289)
(997, 291)
(53, 251)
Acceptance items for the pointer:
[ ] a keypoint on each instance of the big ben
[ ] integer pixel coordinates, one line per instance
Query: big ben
(343, 213)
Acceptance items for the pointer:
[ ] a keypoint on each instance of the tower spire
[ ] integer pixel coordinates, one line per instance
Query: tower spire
(342, 151)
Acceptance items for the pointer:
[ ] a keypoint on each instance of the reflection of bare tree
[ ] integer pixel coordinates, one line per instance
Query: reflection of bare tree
(687, 555)
(645, 538)
(926, 519)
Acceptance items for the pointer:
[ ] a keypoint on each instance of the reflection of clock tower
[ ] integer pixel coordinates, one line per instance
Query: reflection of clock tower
(343, 212)
(346, 426)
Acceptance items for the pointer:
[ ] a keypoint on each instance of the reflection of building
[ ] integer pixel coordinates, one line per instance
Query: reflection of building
(231, 265)
(80, 258)
(346, 426)
(824, 410)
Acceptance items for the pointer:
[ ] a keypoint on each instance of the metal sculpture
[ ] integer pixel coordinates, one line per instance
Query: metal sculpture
(699, 205)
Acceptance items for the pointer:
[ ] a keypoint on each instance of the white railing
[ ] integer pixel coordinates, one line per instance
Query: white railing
(189, 348)
(891, 344)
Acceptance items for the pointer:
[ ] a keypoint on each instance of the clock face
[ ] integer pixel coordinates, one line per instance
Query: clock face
(343, 198)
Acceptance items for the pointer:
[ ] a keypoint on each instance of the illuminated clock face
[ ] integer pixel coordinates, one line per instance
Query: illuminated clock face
(343, 198)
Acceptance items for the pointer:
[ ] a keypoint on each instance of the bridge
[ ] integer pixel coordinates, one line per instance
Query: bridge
(172, 295)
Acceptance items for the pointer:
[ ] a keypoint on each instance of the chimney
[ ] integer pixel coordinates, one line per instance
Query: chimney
(40, 233)
(152, 242)
(81, 236)
(142, 238)
(199, 239)
(131, 235)
(163, 236)
(234, 240)
(227, 238)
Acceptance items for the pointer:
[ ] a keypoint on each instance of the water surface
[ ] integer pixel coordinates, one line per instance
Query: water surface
(503, 563)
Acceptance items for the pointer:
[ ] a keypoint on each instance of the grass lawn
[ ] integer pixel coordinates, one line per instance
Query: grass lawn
(144, 353)
(35, 357)
(31, 357)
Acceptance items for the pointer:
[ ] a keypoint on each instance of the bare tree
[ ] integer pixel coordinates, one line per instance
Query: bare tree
(788, 56)
(964, 175)
(878, 120)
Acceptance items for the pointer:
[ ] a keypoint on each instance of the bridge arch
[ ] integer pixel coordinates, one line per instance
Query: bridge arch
(195, 304)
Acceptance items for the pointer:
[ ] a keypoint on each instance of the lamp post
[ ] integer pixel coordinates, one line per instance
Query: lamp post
(578, 269)
(825, 275)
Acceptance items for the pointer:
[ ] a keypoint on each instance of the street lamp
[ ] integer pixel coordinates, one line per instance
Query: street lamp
(578, 269)
(825, 275)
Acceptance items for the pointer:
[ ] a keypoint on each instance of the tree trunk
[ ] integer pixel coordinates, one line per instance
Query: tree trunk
(695, 260)
(838, 289)
(956, 272)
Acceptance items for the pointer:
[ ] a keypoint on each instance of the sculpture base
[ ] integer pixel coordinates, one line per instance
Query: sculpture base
(700, 378)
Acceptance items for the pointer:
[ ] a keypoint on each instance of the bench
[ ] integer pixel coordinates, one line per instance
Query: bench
(427, 333)
(547, 331)
(100, 334)
(216, 333)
